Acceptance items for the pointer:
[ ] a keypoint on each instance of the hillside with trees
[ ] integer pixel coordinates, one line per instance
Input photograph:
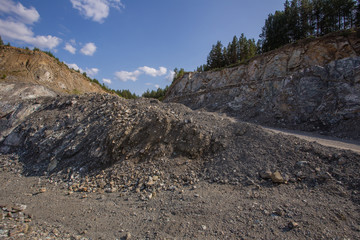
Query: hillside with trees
(300, 19)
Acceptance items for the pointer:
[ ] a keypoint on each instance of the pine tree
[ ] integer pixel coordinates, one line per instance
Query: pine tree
(1, 41)
(294, 21)
(215, 58)
(306, 19)
(348, 9)
(226, 61)
(252, 48)
(232, 53)
(244, 48)
(318, 15)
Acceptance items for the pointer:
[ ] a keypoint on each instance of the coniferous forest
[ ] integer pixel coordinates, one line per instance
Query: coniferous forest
(300, 19)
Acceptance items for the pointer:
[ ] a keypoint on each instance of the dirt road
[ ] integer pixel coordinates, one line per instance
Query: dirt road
(334, 142)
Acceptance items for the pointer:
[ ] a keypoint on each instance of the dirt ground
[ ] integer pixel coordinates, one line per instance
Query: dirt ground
(100, 167)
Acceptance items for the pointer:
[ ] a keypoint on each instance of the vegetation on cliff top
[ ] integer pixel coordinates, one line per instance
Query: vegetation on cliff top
(300, 19)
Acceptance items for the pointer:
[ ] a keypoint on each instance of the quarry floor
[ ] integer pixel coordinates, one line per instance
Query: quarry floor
(202, 211)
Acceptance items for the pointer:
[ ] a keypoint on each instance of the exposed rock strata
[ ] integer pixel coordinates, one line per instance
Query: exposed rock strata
(37, 68)
(311, 85)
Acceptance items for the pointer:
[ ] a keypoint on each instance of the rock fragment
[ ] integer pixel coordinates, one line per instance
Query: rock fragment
(277, 178)
(293, 224)
(266, 174)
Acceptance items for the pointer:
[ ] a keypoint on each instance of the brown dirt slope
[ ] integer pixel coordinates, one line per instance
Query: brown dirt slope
(37, 68)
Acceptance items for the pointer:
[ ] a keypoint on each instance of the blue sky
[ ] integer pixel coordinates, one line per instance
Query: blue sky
(131, 44)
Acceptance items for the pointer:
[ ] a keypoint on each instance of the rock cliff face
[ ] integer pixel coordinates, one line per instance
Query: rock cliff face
(26, 75)
(33, 68)
(311, 85)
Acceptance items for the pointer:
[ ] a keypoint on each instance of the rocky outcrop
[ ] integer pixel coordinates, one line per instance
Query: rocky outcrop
(27, 75)
(37, 68)
(311, 85)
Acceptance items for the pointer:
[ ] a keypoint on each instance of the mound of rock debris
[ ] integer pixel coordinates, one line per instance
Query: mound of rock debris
(102, 142)
(161, 171)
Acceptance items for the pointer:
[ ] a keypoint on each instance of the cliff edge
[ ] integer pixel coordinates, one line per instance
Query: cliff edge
(311, 85)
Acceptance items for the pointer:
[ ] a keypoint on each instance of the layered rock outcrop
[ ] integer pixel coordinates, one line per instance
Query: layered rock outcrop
(37, 68)
(311, 85)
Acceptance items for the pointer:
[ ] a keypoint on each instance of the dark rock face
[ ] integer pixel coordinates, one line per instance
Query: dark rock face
(297, 87)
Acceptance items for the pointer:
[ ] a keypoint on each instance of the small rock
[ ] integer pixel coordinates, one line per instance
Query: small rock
(128, 236)
(19, 207)
(83, 189)
(55, 232)
(4, 233)
(151, 182)
(266, 174)
(203, 227)
(42, 190)
(277, 178)
(293, 225)
(279, 212)
(52, 165)
(301, 163)
(342, 161)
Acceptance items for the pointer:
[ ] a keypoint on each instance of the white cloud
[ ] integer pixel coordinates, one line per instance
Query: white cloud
(74, 66)
(105, 80)
(19, 31)
(68, 47)
(157, 85)
(125, 76)
(18, 12)
(152, 71)
(89, 49)
(170, 76)
(15, 26)
(97, 10)
(91, 72)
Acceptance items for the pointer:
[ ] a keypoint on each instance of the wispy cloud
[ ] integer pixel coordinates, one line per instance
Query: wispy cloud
(126, 76)
(68, 47)
(89, 49)
(74, 66)
(96, 10)
(133, 76)
(170, 76)
(15, 26)
(18, 12)
(108, 81)
(152, 71)
(91, 72)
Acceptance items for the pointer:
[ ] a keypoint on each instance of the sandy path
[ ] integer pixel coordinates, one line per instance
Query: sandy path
(334, 142)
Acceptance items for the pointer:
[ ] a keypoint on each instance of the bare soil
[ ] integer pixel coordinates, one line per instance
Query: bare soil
(100, 167)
